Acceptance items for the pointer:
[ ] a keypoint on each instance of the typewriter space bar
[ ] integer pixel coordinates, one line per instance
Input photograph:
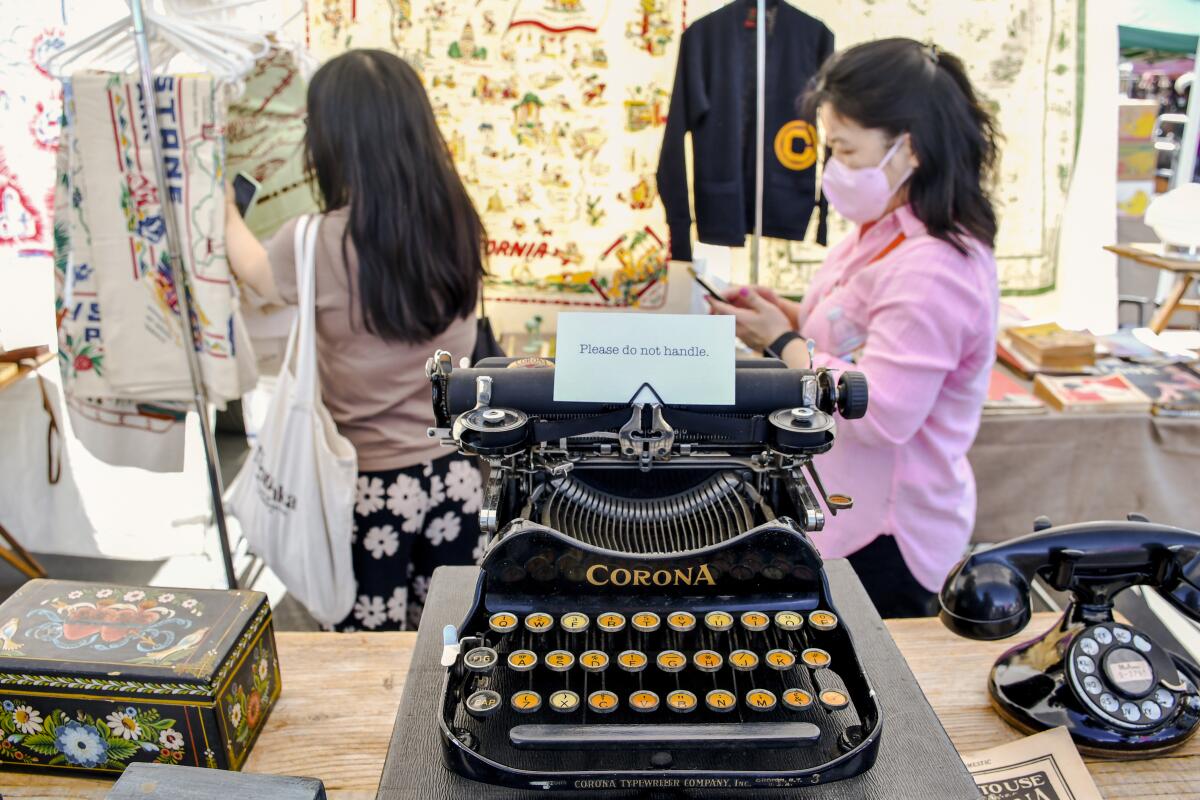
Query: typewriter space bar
(712, 736)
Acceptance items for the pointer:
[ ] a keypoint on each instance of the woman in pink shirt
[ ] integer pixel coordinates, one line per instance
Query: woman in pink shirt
(909, 298)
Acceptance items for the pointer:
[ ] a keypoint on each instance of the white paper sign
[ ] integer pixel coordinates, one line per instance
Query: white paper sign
(605, 358)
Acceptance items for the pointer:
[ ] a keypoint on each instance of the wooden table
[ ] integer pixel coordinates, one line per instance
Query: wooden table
(341, 691)
(1186, 271)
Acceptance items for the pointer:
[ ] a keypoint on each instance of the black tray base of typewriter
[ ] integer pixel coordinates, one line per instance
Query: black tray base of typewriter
(915, 756)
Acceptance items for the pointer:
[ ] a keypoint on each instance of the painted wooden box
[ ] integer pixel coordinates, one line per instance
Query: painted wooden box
(95, 677)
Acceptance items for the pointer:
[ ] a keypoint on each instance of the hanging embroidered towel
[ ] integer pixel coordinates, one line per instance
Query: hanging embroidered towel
(123, 211)
(123, 433)
(264, 138)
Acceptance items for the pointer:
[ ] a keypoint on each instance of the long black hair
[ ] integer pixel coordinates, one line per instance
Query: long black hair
(902, 86)
(373, 145)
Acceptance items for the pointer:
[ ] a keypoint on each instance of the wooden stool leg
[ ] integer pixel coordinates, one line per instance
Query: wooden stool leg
(19, 557)
(1161, 317)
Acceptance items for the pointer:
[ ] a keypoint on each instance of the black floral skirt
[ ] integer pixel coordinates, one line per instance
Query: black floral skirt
(408, 522)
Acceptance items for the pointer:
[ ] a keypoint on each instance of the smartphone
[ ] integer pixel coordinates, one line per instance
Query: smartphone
(705, 285)
(245, 191)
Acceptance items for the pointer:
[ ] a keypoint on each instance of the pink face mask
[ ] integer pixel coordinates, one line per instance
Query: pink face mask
(860, 195)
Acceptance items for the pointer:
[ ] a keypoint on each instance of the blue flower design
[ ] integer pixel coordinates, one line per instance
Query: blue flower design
(81, 745)
(131, 711)
(8, 705)
(153, 228)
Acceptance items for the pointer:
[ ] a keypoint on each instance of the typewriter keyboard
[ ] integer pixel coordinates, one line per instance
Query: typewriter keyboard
(684, 686)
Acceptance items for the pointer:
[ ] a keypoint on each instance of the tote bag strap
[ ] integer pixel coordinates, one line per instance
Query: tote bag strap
(297, 246)
(308, 387)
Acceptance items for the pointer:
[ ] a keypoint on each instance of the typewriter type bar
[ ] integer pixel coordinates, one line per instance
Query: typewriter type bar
(720, 736)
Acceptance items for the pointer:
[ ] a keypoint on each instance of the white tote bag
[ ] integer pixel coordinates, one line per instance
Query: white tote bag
(294, 497)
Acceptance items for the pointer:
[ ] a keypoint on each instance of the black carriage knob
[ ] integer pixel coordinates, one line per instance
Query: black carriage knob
(852, 395)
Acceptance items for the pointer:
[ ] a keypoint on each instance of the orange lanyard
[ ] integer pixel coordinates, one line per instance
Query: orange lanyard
(892, 245)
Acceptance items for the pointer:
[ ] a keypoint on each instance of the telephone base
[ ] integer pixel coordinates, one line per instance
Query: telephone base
(1117, 693)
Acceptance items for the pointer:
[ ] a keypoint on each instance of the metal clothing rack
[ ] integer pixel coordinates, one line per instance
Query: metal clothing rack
(760, 37)
(175, 254)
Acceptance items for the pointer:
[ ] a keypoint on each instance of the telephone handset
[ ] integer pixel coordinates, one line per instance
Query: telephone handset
(1118, 692)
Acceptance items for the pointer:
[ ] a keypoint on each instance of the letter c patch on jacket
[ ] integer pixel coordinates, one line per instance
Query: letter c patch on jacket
(785, 145)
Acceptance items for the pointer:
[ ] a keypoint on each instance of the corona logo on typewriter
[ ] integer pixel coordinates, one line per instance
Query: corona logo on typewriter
(605, 575)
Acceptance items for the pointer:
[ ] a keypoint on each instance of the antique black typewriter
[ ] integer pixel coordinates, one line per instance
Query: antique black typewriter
(650, 608)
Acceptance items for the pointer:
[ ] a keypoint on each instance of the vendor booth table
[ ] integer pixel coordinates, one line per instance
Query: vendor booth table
(1073, 467)
(341, 691)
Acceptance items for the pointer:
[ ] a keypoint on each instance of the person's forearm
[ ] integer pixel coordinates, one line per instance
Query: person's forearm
(248, 259)
(795, 354)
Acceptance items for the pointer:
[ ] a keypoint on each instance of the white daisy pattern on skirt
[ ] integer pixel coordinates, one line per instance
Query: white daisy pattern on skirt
(370, 611)
(407, 523)
(370, 495)
(397, 604)
(480, 548)
(408, 500)
(443, 529)
(464, 484)
(382, 541)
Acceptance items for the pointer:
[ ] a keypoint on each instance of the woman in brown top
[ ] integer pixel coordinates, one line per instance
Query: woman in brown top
(398, 272)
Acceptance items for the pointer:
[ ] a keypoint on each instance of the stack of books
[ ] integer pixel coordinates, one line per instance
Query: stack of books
(1091, 394)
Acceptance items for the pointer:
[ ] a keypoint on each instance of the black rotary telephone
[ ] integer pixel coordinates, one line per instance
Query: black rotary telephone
(1118, 693)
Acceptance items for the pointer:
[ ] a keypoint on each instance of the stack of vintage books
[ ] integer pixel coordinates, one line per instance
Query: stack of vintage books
(1047, 348)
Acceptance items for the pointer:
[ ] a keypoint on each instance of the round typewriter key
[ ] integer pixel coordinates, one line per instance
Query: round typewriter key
(611, 622)
(646, 621)
(559, 660)
(789, 621)
(681, 621)
(755, 621)
(483, 703)
(602, 702)
(574, 622)
(833, 699)
(564, 701)
(682, 701)
(780, 659)
(502, 622)
(744, 660)
(644, 701)
(594, 660)
(671, 661)
(797, 699)
(707, 660)
(526, 702)
(823, 620)
(632, 660)
(480, 659)
(718, 621)
(760, 699)
(522, 660)
(720, 700)
(539, 622)
(815, 657)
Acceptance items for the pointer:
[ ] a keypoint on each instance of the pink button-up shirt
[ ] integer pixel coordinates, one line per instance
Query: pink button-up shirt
(920, 322)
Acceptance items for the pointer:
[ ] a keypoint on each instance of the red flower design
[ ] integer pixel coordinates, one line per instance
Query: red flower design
(82, 363)
(113, 623)
(253, 709)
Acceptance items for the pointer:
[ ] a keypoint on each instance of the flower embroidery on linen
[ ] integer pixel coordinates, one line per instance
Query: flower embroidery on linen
(464, 484)
(370, 611)
(382, 541)
(407, 499)
(370, 495)
(443, 529)
(397, 604)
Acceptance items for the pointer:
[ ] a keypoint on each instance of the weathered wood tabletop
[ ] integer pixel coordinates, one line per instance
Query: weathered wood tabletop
(341, 691)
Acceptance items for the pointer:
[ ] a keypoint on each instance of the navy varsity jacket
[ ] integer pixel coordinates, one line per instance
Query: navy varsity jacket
(714, 99)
